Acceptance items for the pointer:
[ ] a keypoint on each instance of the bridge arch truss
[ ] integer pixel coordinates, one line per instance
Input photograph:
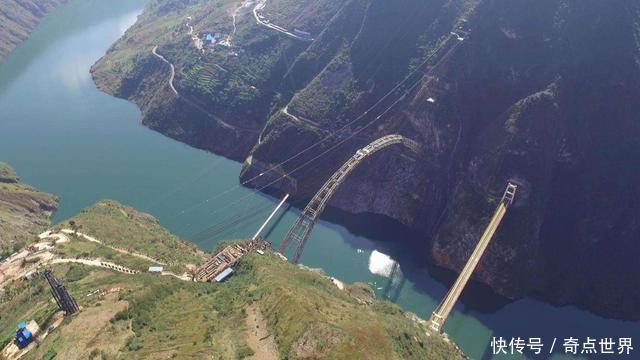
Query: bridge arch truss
(302, 227)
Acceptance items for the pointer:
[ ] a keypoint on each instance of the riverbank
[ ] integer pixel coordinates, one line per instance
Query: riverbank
(19, 18)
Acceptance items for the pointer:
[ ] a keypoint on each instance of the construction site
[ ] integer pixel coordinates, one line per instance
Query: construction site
(29, 333)
(220, 265)
(36, 259)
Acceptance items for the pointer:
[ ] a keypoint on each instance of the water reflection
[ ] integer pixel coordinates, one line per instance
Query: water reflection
(72, 72)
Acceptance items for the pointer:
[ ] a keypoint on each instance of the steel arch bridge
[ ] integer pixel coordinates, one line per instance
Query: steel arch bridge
(301, 228)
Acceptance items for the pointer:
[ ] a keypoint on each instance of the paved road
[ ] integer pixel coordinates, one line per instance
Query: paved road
(172, 74)
(300, 119)
(312, 124)
(454, 293)
(261, 5)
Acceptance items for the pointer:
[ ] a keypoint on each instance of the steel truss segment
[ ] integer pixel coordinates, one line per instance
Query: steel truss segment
(318, 203)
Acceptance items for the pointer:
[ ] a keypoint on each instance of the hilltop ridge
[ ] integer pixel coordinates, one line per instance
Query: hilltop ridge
(269, 308)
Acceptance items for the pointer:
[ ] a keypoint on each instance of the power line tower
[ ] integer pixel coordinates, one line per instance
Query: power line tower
(64, 300)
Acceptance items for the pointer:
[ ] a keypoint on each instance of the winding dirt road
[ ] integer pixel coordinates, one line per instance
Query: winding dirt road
(172, 73)
(122, 251)
(194, 103)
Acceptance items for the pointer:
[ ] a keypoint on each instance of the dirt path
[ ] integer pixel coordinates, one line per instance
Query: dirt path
(300, 119)
(97, 263)
(22, 264)
(183, 277)
(258, 337)
(197, 42)
(196, 105)
(242, 9)
(314, 125)
(27, 261)
(59, 237)
(116, 249)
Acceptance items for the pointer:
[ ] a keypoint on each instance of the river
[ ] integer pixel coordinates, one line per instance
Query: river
(66, 137)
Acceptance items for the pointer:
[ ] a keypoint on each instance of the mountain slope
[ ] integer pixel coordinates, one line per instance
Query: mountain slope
(24, 211)
(268, 307)
(18, 18)
(545, 93)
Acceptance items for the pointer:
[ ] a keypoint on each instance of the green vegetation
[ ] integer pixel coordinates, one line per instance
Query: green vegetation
(167, 316)
(7, 174)
(79, 248)
(126, 228)
(328, 97)
(240, 87)
(24, 211)
(149, 316)
(77, 272)
(309, 16)
(135, 344)
(23, 301)
(51, 354)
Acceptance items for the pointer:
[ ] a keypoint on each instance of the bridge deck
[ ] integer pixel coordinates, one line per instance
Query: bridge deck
(441, 314)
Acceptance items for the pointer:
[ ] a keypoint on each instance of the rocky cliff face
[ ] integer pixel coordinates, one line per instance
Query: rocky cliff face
(545, 93)
(18, 18)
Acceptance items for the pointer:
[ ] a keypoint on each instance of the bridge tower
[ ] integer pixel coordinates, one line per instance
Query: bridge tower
(440, 315)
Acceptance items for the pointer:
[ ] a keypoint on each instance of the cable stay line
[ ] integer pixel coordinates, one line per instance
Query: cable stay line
(336, 145)
(341, 129)
(228, 223)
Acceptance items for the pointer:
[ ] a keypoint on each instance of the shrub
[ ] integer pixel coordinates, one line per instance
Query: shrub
(76, 273)
(95, 354)
(244, 352)
(134, 344)
(51, 354)
(120, 315)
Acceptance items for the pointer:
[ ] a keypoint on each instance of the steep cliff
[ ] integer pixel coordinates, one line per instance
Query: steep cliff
(18, 18)
(546, 93)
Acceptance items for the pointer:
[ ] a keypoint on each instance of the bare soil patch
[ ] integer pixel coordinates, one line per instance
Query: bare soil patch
(259, 339)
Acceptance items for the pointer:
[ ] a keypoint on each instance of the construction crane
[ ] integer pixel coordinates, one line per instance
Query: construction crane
(440, 315)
